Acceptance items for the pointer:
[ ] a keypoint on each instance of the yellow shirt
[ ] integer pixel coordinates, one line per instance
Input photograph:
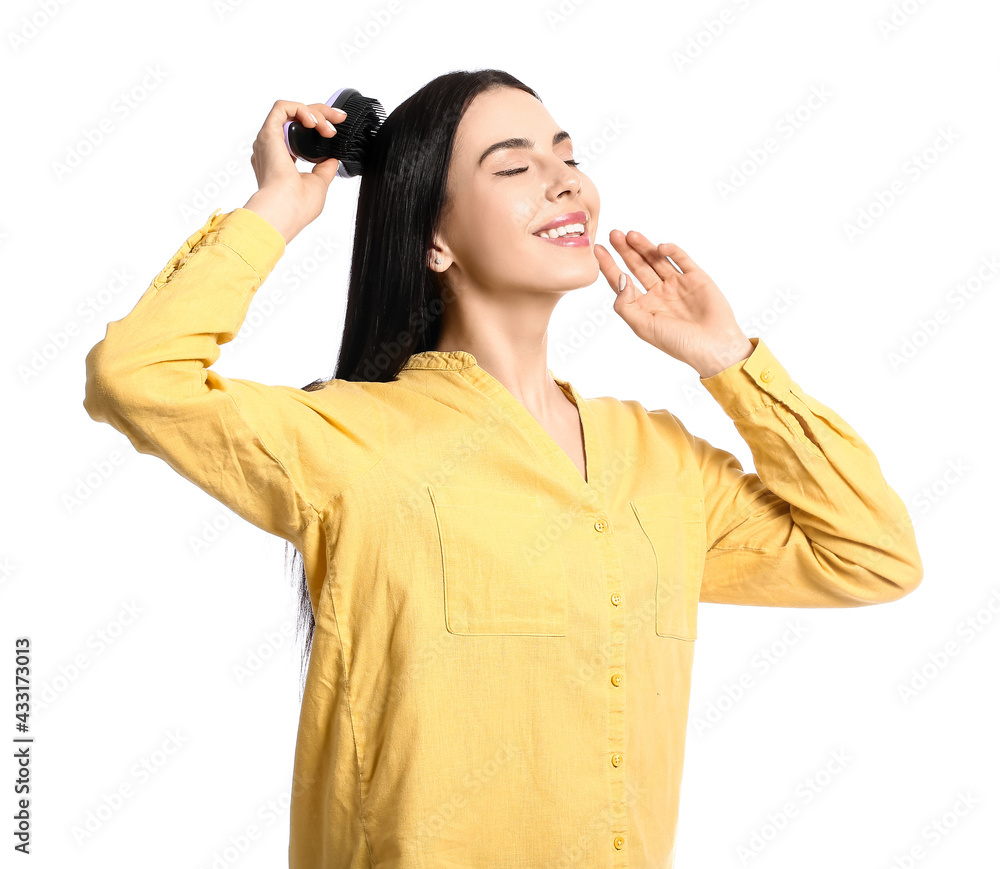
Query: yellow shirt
(501, 666)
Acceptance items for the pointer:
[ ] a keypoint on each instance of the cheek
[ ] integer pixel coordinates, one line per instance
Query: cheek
(500, 224)
(492, 252)
(497, 212)
(523, 213)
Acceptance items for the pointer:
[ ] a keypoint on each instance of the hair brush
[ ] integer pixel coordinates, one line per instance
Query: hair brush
(354, 134)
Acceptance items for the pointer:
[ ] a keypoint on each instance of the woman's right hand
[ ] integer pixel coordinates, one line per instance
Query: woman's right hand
(288, 199)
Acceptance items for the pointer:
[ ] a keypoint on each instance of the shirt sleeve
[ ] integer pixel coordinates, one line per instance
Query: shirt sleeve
(275, 455)
(816, 525)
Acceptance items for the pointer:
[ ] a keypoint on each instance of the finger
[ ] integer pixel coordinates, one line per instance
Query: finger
(611, 271)
(327, 117)
(285, 110)
(326, 169)
(657, 261)
(288, 110)
(305, 116)
(609, 268)
(636, 262)
(335, 115)
(684, 262)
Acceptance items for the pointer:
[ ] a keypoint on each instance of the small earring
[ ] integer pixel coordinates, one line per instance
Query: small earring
(438, 260)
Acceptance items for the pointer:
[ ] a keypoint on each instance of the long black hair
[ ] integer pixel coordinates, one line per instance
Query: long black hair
(394, 300)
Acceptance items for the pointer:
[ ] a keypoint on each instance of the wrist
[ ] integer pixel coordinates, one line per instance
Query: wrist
(730, 353)
(273, 212)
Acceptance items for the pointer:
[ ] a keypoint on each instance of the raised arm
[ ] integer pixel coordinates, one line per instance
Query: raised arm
(274, 454)
(817, 525)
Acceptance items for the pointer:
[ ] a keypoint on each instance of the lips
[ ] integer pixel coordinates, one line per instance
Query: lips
(562, 220)
(568, 240)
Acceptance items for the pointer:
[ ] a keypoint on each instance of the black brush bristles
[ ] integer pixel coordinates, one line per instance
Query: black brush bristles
(354, 134)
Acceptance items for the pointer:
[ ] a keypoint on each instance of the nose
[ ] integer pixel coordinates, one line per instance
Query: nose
(565, 179)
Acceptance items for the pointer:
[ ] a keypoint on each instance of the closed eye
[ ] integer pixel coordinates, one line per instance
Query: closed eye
(520, 169)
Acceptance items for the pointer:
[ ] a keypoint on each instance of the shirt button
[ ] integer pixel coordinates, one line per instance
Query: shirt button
(619, 842)
(617, 759)
(766, 375)
(616, 679)
(616, 598)
(601, 525)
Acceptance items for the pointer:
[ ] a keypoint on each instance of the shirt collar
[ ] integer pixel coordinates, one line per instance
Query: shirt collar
(458, 360)
(481, 379)
(455, 359)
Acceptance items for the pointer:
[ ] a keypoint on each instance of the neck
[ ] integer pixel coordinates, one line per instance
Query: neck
(520, 365)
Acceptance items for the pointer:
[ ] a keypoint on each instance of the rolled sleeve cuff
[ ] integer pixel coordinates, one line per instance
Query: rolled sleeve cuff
(246, 233)
(750, 384)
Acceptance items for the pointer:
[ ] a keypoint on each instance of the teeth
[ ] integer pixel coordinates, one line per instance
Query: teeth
(565, 229)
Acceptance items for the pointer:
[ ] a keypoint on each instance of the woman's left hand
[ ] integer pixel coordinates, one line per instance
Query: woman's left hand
(683, 313)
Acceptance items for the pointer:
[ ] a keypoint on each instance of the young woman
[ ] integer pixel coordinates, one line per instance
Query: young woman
(500, 577)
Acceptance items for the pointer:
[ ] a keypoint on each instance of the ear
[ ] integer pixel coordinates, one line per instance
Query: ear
(438, 250)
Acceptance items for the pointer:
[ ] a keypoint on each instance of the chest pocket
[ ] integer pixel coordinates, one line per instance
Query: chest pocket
(502, 572)
(675, 527)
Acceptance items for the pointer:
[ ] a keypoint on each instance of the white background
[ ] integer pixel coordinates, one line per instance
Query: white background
(661, 131)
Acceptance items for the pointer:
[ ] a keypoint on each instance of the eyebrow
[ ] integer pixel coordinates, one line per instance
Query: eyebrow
(520, 143)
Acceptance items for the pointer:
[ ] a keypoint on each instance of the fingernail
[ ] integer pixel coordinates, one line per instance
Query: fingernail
(622, 278)
(311, 115)
(330, 125)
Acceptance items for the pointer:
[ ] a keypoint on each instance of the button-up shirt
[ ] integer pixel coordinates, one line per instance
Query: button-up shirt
(501, 665)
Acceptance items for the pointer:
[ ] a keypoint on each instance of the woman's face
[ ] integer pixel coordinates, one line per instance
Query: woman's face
(488, 233)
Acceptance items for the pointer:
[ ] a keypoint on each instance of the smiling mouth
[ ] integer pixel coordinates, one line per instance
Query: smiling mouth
(576, 239)
(566, 230)
(567, 235)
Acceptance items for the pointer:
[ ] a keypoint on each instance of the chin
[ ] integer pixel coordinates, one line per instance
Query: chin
(582, 275)
(592, 270)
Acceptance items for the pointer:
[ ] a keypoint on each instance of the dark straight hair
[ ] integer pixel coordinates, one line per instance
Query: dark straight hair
(394, 300)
